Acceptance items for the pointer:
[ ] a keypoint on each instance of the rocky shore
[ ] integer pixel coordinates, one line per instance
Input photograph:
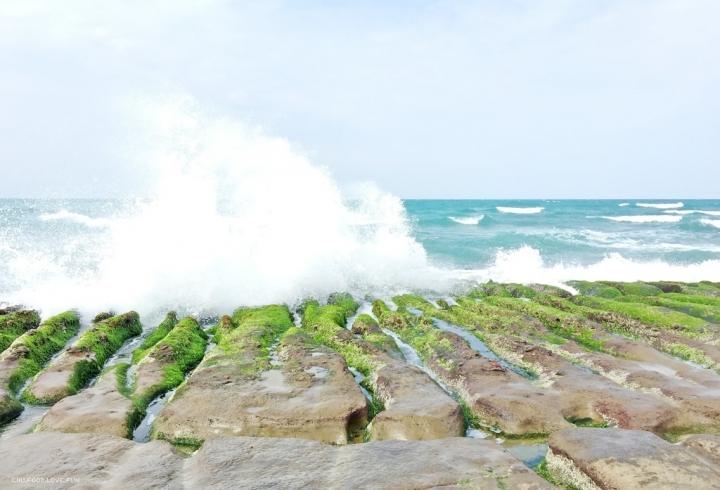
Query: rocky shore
(614, 385)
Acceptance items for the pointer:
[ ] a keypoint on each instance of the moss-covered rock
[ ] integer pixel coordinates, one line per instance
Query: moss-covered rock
(368, 328)
(489, 393)
(554, 290)
(663, 318)
(489, 289)
(561, 323)
(705, 312)
(595, 289)
(28, 353)
(634, 288)
(102, 409)
(693, 298)
(9, 406)
(155, 336)
(326, 325)
(237, 391)
(69, 373)
(102, 316)
(16, 323)
(167, 362)
(405, 403)
(344, 301)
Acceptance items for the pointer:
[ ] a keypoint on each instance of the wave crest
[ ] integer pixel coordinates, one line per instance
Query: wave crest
(659, 205)
(710, 222)
(473, 220)
(77, 218)
(656, 218)
(526, 265)
(506, 209)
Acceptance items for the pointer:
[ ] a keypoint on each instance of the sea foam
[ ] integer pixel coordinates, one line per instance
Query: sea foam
(473, 220)
(236, 217)
(657, 218)
(505, 209)
(694, 211)
(526, 265)
(711, 222)
(660, 206)
(75, 217)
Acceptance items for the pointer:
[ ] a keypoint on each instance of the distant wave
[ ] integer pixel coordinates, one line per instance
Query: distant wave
(473, 220)
(691, 211)
(77, 218)
(624, 204)
(526, 265)
(711, 222)
(657, 218)
(519, 210)
(659, 206)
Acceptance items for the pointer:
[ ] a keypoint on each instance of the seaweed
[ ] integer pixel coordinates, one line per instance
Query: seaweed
(35, 347)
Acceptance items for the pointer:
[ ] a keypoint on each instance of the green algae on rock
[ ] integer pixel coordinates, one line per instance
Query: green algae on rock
(490, 394)
(310, 395)
(103, 408)
(327, 326)
(155, 336)
(405, 403)
(84, 359)
(165, 364)
(559, 322)
(14, 324)
(28, 353)
(708, 312)
(595, 289)
(663, 318)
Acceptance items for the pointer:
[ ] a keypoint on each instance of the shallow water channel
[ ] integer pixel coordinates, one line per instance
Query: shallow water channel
(530, 452)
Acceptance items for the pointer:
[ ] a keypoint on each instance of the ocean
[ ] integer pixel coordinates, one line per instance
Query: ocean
(199, 251)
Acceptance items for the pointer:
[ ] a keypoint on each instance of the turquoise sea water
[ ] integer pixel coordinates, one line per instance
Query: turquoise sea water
(468, 233)
(190, 253)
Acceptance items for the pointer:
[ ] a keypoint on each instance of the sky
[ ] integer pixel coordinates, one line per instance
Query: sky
(448, 99)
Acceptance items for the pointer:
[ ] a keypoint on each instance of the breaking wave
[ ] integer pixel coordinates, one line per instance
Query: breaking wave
(77, 218)
(505, 209)
(660, 206)
(474, 220)
(236, 217)
(693, 211)
(526, 265)
(711, 222)
(659, 218)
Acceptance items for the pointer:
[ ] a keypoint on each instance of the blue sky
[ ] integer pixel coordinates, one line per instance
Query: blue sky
(494, 99)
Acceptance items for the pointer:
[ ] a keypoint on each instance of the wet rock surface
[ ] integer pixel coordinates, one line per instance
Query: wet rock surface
(313, 396)
(626, 459)
(263, 463)
(416, 408)
(101, 409)
(619, 387)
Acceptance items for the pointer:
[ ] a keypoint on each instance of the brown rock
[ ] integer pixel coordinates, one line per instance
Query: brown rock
(705, 447)
(98, 410)
(52, 384)
(314, 397)
(627, 460)
(107, 462)
(416, 408)
(499, 396)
